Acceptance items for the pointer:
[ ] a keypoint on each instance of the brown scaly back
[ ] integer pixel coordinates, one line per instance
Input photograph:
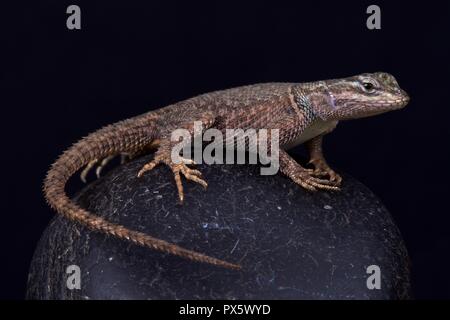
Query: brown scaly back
(125, 136)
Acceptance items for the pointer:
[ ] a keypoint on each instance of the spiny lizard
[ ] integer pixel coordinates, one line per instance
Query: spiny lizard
(303, 113)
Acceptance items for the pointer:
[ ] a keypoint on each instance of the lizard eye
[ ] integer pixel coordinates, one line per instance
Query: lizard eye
(368, 86)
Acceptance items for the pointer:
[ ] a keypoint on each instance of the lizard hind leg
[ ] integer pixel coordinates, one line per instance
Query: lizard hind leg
(177, 169)
(101, 164)
(180, 165)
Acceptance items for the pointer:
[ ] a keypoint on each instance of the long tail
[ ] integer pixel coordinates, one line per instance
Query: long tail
(124, 136)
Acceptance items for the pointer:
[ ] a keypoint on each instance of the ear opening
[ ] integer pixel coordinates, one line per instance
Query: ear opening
(320, 105)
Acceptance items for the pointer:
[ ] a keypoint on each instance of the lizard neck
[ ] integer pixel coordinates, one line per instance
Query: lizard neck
(308, 100)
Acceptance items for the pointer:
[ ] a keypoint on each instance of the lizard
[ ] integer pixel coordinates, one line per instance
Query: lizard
(302, 112)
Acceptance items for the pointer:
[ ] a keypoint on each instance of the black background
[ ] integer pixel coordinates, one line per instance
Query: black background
(58, 85)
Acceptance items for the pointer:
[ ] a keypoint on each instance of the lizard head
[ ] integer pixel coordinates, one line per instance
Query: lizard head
(361, 96)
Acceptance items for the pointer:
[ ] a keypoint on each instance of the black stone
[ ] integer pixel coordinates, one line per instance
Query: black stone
(293, 244)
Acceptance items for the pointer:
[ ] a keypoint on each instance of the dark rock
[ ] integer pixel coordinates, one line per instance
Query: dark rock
(292, 244)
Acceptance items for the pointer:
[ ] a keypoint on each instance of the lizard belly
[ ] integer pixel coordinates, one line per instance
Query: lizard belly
(316, 128)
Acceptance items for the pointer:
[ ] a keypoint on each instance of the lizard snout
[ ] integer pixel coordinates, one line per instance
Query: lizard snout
(405, 98)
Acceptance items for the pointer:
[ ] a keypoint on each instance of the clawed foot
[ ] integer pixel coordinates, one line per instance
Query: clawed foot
(321, 169)
(101, 164)
(177, 168)
(312, 183)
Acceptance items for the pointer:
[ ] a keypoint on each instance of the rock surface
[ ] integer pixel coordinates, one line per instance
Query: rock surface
(292, 244)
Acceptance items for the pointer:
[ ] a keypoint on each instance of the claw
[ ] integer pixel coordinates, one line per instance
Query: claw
(86, 170)
(188, 161)
(319, 181)
(194, 175)
(100, 167)
(304, 184)
(321, 169)
(189, 174)
(104, 162)
(323, 186)
(179, 186)
(308, 181)
(147, 167)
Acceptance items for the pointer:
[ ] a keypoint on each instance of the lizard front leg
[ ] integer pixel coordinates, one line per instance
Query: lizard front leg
(300, 175)
(321, 167)
(164, 155)
(290, 127)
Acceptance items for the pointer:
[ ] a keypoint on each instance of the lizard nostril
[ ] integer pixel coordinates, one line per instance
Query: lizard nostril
(405, 97)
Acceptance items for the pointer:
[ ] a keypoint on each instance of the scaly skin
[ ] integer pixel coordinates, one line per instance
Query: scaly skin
(302, 112)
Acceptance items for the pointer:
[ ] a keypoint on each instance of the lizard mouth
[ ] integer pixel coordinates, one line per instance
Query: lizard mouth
(393, 103)
(354, 109)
